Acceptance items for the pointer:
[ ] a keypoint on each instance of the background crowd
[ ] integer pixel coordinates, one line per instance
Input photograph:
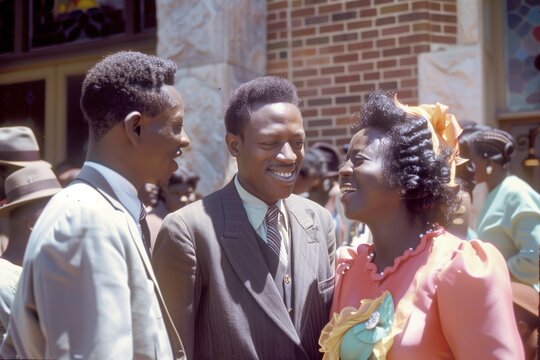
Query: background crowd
(308, 252)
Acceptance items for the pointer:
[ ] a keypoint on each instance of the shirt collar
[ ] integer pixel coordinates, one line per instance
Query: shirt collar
(123, 189)
(256, 209)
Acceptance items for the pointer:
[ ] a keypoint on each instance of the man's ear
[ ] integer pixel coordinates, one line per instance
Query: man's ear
(233, 143)
(132, 126)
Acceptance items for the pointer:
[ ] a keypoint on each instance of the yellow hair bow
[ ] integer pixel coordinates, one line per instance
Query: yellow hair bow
(444, 129)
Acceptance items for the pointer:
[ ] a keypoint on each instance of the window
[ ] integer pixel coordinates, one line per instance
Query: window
(522, 55)
(23, 104)
(44, 27)
(46, 48)
(7, 25)
(77, 128)
(57, 22)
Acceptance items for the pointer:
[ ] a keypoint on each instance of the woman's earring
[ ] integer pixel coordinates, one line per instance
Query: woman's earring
(489, 169)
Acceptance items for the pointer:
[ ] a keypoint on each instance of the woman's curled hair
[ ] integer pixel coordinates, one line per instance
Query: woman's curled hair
(410, 162)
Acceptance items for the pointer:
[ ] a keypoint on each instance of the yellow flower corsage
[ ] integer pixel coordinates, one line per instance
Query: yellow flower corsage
(444, 129)
(359, 333)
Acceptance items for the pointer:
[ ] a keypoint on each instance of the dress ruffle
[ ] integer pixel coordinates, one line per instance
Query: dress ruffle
(468, 278)
(347, 256)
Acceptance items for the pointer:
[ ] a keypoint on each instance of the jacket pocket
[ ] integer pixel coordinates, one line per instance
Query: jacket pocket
(326, 285)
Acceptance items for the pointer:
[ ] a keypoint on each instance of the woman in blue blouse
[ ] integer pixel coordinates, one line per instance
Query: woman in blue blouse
(510, 219)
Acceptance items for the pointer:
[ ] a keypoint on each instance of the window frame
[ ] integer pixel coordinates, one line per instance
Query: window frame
(23, 53)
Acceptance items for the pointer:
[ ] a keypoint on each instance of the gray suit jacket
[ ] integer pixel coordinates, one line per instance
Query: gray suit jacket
(217, 286)
(87, 289)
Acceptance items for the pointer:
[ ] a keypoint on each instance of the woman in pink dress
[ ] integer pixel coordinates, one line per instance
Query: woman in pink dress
(417, 292)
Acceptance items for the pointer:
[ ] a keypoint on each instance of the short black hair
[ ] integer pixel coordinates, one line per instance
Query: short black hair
(260, 91)
(123, 82)
(410, 163)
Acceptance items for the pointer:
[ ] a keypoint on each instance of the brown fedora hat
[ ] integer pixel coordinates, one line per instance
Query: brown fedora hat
(19, 147)
(333, 158)
(29, 184)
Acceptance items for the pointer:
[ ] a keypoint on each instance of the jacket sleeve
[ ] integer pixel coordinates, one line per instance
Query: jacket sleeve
(475, 304)
(80, 280)
(330, 227)
(525, 228)
(175, 266)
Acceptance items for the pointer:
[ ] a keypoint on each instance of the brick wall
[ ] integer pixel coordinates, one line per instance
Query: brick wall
(337, 51)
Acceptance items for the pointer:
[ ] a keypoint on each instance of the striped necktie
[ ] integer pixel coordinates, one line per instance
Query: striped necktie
(273, 238)
(145, 230)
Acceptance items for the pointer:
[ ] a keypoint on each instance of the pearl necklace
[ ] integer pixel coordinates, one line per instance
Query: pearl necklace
(371, 254)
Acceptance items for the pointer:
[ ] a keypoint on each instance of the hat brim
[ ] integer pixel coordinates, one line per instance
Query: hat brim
(7, 208)
(526, 297)
(25, 163)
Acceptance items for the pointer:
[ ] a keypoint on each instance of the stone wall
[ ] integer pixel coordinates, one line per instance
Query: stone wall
(454, 75)
(217, 45)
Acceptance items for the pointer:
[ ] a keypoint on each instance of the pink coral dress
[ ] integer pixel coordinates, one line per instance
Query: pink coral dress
(453, 296)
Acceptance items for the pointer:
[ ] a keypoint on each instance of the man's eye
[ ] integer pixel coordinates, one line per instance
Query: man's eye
(177, 128)
(297, 144)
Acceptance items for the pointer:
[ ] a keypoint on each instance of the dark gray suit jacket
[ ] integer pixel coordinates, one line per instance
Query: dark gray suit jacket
(221, 296)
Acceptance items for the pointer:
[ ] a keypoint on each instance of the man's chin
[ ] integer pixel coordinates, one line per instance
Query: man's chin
(285, 192)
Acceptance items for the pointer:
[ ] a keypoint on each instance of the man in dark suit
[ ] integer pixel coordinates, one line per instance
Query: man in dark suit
(247, 272)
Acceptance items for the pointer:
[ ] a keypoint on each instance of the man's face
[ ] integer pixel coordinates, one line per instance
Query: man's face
(269, 151)
(179, 195)
(163, 137)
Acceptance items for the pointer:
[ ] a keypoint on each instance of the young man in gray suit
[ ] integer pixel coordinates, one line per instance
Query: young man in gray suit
(87, 288)
(247, 272)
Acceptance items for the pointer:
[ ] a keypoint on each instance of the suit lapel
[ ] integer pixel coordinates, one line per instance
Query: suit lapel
(304, 247)
(96, 180)
(240, 246)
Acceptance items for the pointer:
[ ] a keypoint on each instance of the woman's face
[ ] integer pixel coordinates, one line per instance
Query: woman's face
(480, 164)
(365, 196)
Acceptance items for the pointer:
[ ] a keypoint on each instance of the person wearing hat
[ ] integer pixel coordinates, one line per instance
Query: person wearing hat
(18, 148)
(179, 192)
(312, 173)
(87, 289)
(28, 190)
(317, 181)
(525, 299)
